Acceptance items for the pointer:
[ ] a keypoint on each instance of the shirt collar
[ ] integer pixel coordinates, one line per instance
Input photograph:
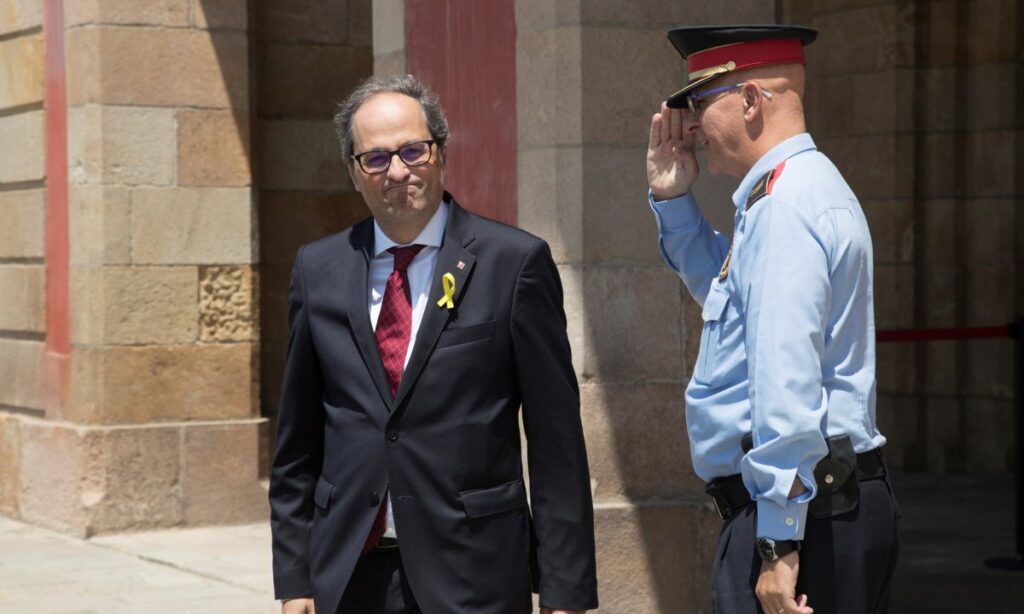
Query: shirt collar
(783, 151)
(431, 235)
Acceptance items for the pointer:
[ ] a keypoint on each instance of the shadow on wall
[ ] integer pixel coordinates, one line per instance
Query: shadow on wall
(303, 59)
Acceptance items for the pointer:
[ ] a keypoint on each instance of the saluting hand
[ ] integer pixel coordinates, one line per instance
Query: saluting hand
(776, 586)
(671, 163)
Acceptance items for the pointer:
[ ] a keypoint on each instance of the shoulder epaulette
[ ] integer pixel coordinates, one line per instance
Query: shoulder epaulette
(764, 185)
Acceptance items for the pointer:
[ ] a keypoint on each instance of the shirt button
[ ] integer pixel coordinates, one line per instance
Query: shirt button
(392, 434)
(789, 521)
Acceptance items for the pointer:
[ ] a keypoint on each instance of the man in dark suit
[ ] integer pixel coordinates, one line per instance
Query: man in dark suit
(397, 483)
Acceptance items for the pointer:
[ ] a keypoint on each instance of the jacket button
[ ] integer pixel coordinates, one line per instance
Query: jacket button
(374, 499)
(392, 434)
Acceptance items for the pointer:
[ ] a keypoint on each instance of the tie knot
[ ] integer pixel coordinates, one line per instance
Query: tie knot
(404, 255)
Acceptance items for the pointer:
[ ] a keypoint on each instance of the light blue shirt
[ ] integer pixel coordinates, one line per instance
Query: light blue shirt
(787, 352)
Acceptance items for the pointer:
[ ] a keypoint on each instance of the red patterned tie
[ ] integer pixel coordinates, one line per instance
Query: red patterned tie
(394, 326)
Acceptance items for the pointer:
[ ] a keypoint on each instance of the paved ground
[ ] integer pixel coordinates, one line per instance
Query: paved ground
(217, 570)
(950, 527)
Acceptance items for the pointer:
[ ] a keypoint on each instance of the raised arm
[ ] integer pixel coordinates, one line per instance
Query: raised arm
(687, 242)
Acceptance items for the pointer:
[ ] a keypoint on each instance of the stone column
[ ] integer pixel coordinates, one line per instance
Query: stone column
(589, 77)
(389, 37)
(157, 426)
(22, 221)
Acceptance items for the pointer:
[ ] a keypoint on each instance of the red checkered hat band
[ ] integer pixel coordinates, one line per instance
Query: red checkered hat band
(747, 55)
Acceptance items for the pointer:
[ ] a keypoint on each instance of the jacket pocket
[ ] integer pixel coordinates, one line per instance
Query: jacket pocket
(475, 332)
(322, 494)
(495, 500)
(713, 313)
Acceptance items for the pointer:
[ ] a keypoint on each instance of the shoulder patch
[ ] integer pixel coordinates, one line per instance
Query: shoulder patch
(760, 189)
(764, 185)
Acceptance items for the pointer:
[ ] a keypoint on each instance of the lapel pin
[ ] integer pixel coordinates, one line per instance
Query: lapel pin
(448, 282)
(461, 265)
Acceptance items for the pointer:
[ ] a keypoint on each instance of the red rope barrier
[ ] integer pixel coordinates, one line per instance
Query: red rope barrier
(944, 334)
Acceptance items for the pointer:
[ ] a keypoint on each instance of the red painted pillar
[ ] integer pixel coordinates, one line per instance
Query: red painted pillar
(58, 334)
(466, 52)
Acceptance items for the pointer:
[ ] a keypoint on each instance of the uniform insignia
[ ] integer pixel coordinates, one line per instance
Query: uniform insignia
(760, 189)
(764, 185)
(724, 273)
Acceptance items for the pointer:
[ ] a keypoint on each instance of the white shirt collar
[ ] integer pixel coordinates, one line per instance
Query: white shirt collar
(431, 235)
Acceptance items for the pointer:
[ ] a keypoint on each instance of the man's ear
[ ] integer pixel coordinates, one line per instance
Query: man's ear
(355, 175)
(442, 161)
(752, 99)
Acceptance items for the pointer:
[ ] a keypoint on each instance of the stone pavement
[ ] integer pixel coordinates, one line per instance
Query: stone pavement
(950, 526)
(220, 570)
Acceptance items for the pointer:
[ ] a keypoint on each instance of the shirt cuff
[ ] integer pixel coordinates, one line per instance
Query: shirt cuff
(783, 523)
(675, 212)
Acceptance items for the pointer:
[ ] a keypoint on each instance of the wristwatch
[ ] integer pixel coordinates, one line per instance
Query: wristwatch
(770, 550)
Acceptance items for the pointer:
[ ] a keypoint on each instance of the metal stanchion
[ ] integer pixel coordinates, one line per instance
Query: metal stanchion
(1016, 562)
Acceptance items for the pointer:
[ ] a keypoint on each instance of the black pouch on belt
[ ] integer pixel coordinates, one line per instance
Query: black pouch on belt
(836, 477)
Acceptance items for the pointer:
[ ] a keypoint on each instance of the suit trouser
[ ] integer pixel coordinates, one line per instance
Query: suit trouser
(846, 562)
(378, 586)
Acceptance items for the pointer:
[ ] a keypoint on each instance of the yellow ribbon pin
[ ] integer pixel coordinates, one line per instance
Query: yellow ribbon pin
(448, 281)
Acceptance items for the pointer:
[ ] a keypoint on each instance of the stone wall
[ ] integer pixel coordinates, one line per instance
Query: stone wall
(917, 103)
(22, 246)
(153, 422)
(589, 77)
(310, 56)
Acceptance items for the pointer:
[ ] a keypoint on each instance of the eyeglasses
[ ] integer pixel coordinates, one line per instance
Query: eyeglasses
(697, 105)
(378, 161)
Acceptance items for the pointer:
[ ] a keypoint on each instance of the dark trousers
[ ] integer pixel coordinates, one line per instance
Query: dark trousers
(846, 562)
(378, 586)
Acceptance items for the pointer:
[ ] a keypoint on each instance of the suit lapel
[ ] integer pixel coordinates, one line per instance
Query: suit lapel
(452, 258)
(355, 299)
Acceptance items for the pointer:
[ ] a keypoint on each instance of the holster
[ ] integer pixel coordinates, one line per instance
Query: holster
(836, 477)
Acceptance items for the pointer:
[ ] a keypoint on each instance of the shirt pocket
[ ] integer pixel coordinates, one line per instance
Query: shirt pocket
(711, 336)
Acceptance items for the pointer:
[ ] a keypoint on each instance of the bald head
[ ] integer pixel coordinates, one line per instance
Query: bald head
(768, 110)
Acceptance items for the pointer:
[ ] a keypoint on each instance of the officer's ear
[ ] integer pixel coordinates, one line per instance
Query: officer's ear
(752, 100)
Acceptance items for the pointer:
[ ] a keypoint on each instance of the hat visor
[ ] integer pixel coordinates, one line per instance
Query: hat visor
(678, 99)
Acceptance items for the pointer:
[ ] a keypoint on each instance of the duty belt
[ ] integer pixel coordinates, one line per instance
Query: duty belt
(731, 496)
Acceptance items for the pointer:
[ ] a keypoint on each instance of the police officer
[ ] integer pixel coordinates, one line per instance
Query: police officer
(780, 411)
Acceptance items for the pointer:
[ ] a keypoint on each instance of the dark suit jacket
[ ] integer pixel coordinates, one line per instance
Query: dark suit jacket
(448, 445)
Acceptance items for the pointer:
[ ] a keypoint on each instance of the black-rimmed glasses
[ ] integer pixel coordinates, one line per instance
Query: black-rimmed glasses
(378, 161)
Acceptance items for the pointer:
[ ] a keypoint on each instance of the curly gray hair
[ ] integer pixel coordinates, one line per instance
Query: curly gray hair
(398, 84)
